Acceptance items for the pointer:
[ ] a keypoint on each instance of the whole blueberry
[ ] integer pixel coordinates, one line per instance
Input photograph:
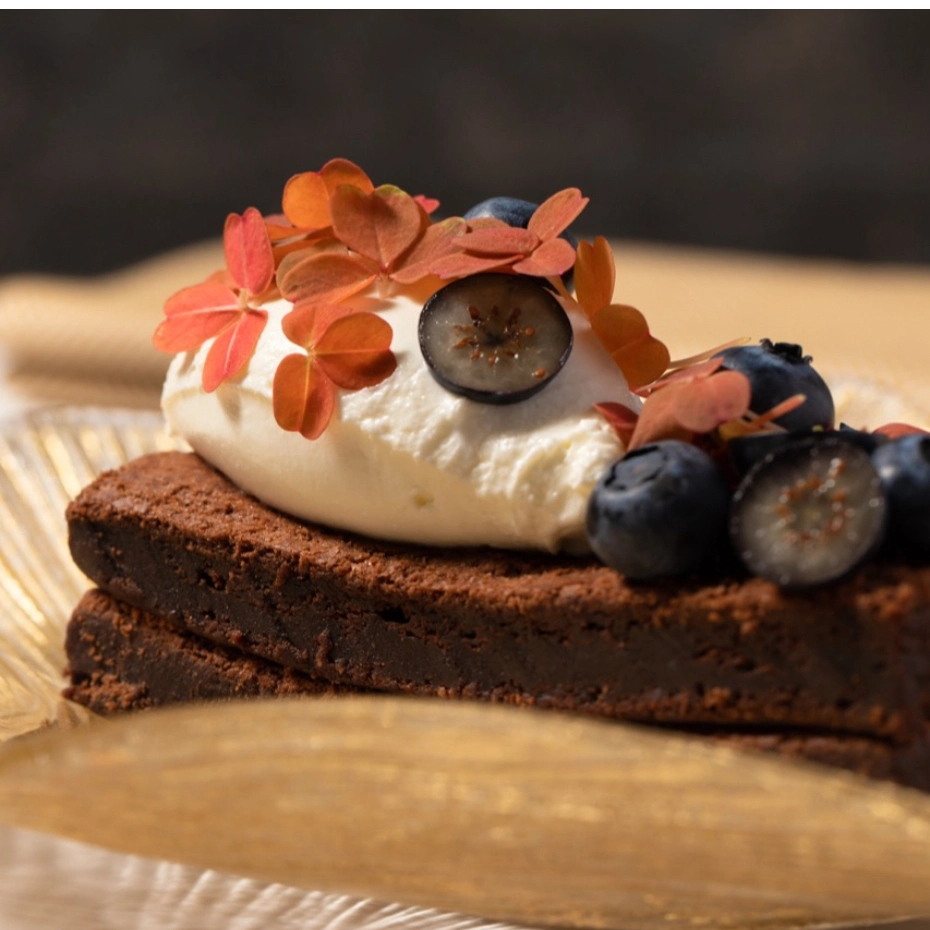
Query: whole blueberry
(515, 212)
(661, 510)
(904, 469)
(777, 371)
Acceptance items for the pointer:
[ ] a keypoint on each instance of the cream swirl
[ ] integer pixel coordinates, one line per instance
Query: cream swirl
(407, 460)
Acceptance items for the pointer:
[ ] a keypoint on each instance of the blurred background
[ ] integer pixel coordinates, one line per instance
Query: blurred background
(124, 134)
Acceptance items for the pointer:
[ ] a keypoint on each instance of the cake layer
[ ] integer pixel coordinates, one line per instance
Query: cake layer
(120, 659)
(124, 659)
(169, 534)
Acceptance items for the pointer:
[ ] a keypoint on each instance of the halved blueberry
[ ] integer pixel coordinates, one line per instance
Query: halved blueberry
(777, 371)
(659, 511)
(808, 512)
(904, 469)
(745, 451)
(494, 338)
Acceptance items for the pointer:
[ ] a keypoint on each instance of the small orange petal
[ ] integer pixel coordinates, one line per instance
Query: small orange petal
(429, 204)
(498, 240)
(306, 323)
(658, 419)
(342, 171)
(595, 275)
(437, 241)
(303, 397)
(555, 215)
(381, 225)
(553, 257)
(306, 201)
(323, 276)
(462, 265)
(642, 361)
(354, 351)
(194, 315)
(703, 405)
(248, 251)
(233, 348)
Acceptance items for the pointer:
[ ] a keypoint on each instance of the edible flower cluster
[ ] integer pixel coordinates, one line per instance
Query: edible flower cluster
(732, 452)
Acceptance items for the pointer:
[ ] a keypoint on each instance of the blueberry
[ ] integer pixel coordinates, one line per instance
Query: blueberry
(745, 451)
(904, 469)
(808, 512)
(777, 371)
(517, 213)
(661, 510)
(494, 338)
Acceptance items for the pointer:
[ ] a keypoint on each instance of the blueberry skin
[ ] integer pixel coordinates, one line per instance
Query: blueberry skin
(777, 371)
(745, 451)
(904, 469)
(659, 511)
(517, 213)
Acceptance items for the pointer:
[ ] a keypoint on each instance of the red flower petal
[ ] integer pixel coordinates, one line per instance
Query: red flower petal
(303, 397)
(554, 215)
(248, 251)
(703, 405)
(233, 348)
(354, 351)
(323, 277)
(897, 430)
(595, 275)
(195, 315)
(622, 419)
(429, 204)
(437, 241)
(658, 419)
(499, 240)
(381, 225)
(553, 257)
(339, 171)
(461, 265)
(307, 322)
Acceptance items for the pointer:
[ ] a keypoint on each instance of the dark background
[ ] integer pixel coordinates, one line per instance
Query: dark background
(123, 134)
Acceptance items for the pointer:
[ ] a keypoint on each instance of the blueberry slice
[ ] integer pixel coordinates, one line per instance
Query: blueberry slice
(494, 338)
(808, 512)
(904, 469)
(777, 371)
(661, 510)
(745, 451)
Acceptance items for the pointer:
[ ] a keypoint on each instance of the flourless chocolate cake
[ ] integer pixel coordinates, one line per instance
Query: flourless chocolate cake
(209, 594)
(403, 426)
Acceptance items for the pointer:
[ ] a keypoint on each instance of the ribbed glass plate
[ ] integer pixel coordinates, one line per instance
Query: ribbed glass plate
(45, 459)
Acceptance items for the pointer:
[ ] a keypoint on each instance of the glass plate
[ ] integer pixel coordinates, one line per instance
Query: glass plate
(45, 459)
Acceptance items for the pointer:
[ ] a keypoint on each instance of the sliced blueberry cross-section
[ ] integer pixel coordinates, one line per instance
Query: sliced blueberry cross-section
(494, 338)
(808, 512)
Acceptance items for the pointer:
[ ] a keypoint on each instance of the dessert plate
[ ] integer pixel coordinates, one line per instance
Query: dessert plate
(537, 819)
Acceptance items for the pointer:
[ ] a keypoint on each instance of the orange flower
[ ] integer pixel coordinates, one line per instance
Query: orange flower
(622, 329)
(536, 250)
(386, 236)
(344, 348)
(222, 307)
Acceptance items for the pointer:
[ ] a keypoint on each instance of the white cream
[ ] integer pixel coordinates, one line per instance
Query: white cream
(408, 460)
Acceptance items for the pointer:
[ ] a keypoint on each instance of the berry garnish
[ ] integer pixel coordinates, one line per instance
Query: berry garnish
(777, 371)
(659, 511)
(494, 338)
(808, 512)
(745, 451)
(904, 469)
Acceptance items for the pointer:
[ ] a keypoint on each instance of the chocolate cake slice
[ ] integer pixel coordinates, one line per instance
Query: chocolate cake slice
(171, 536)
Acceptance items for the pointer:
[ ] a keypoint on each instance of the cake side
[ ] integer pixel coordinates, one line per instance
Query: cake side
(123, 659)
(169, 534)
(120, 659)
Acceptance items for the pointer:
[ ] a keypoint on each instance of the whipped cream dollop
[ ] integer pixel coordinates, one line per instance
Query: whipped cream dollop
(406, 459)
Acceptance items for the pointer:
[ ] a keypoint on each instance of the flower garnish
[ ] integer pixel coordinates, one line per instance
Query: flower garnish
(622, 330)
(897, 430)
(223, 306)
(536, 250)
(344, 348)
(387, 237)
